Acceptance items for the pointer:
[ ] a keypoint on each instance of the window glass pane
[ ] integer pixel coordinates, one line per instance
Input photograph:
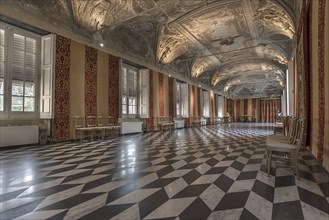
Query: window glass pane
(29, 104)
(17, 104)
(124, 99)
(124, 109)
(1, 103)
(17, 88)
(29, 89)
(1, 86)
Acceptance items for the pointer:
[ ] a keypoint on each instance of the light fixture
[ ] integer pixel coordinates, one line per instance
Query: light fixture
(101, 44)
(199, 85)
(169, 75)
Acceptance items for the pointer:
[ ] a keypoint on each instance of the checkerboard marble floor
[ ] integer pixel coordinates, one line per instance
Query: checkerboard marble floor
(212, 172)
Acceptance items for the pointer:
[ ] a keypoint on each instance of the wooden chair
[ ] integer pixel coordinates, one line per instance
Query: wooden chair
(80, 130)
(108, 125)
(195, 121)
(286, 150)
(91, 122)
(165, 123)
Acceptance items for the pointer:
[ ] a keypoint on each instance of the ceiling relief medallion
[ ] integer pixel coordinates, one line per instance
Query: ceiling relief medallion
(270, 16)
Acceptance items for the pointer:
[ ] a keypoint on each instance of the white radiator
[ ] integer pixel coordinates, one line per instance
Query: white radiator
(131, 127)
(18, 135)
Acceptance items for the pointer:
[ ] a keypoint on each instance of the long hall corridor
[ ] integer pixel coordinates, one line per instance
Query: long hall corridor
(212, 172)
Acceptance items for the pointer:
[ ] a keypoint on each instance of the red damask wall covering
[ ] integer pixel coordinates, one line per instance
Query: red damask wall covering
(61, 122)
(161, 95)
(114, 65)
(151, 112)
(171, 96)
(91, 81)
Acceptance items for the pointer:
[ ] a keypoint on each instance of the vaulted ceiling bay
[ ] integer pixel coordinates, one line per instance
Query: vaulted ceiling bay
(237, 48)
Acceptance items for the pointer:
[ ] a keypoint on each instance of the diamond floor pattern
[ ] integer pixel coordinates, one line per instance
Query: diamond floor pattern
(212, 172)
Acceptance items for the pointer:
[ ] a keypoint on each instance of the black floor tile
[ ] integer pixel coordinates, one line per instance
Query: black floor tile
(59, 216)
(77, 176)
(233, 201)
(314, 200)
(197, 210)
(247, 175)
(49, 191)
(152, 202)
(246, 215)
(255, 161)
(106, 212)
(230, 158)
(190, 166)
(19, 211)
(191, 191)
(284, 181)
(263, 190)
(212, 162)
(237, 165)
(164, 171)
(287, 211)
(224, 183)
(159, 183)
(325, 188)
(216, 170)
(119, 192)
(96, 183)
(191, 176)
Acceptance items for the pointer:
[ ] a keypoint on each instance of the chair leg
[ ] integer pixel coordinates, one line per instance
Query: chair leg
(296, 165)
(268, 159)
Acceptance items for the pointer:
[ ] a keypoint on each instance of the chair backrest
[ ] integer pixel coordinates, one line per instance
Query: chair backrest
(162, 119)
(285, 124)
(78, 121)
(292, 129)
(195, 118)
(105, 121)
(300, 133)
(91, 121)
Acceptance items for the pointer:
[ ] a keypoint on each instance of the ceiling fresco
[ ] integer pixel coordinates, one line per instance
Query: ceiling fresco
(237, 48)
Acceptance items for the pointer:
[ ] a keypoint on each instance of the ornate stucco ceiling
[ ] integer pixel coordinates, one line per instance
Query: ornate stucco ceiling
(238, 48)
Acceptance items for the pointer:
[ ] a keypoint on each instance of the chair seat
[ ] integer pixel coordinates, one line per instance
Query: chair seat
(83, 129)
(285, 140)
(277, 136)
(280, 146)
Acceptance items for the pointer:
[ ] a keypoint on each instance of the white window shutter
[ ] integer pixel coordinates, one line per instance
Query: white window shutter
(185, 108)
(206, 104)
(144, 93)
(47, 76)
